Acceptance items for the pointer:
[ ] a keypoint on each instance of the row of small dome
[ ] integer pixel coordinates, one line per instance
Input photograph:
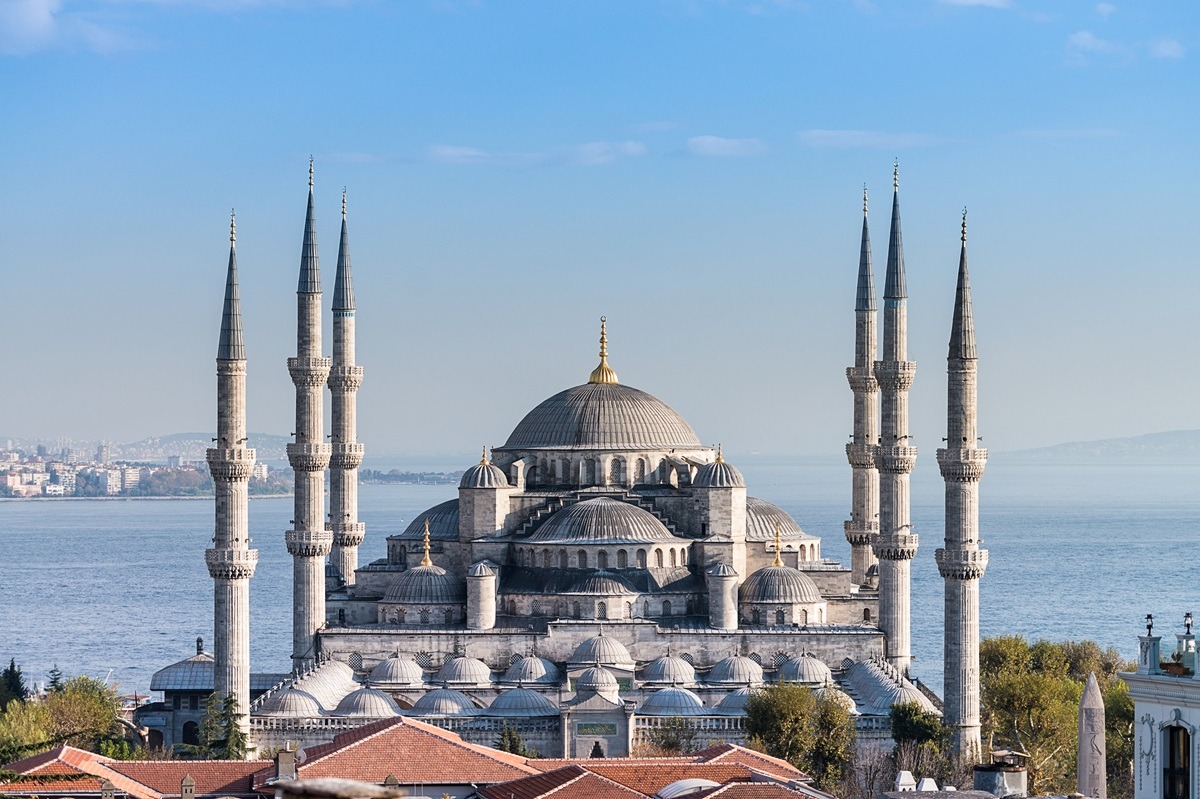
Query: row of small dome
(717, 474)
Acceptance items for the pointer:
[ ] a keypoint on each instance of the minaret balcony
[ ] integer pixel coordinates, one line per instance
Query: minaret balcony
(962, 464)
(347, 534)
(961, 564)
(862, 379)
(345, 378)
(346, 456)
(901, 545)
(230, 464)
(308, 457)
(861, 456)
(308, 543)
(896, 460)
(895, 375)
(860, 533)
(231, 564)
(309, 372)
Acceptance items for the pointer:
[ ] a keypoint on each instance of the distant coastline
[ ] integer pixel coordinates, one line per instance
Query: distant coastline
(1171, 446)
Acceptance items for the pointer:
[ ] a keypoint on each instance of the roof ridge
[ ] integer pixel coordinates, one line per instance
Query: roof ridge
(614, 782)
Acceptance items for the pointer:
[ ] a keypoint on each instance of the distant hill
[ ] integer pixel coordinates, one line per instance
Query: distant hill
(191, 447)
(1172, 445)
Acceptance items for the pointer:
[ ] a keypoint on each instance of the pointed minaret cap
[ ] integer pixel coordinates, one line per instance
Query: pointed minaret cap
(426, 561)
(343, 284)
(603, 373)
(865, 301)
(231, 346)
(895, 286)
(1092, 698)
(962, 330)
(310, 270)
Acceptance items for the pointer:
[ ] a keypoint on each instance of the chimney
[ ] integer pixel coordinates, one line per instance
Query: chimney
(904, 782)
(199, 645)
(285, 762)
(107, 790)
(187, 787)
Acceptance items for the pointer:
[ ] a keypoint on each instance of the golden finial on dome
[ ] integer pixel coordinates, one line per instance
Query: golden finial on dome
(232, 226)
(778, 560)
(425, 561)
(720, 454)
(483, 460)
(603, 373)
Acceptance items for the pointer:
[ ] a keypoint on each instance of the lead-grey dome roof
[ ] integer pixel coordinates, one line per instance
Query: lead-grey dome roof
(443, 523)
(672, 702)
(601, 583)
(484, 475)
(602, 520)
(597, 678)
(603, 416)
(444, 702)
(521, 703)
(670, 669)
(779, 584)
(367, 703)
(604, 651)
(734, 703)
(464, 670)
(397, 671)
(761, 518)
(533, 669)
(736, 670)
(426, 585)
(718, 474)
(292, 702)
(805, 668)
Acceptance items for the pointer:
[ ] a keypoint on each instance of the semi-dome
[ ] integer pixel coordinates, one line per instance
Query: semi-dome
(522, 703)
(601, 583)
(718, 474)
(779, 584)
(397, 671)
(672, 702)
(734, 703)
(602, 520)
(670, 669)
(292, 703)
(603, 416)
(762, 518)
(484, 475)
(597, 678)
(443, 523)
(426, 585)
(444, 702)
(602, 650)
(464, 670)
(532, 669)
(806, 669)
(367, 703)
(736, 670)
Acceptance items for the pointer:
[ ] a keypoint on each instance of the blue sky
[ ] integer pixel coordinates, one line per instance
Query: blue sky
(692, 170)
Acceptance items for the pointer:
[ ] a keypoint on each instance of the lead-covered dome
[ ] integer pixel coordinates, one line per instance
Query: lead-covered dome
(292, 703)
(426, 585)
(443, 524)
(522, 703)
(671, 670)
(762, 518)
(367, 703)
(602, 650)
(780, 584)
(464, 671)
(484, 474)
(603, 416)
(532, 669)
(444, 702)
(598, 679)
(736, 670)
(602, 520)
(672, 702)
(718, 474)
(806, 669)
(397, 671)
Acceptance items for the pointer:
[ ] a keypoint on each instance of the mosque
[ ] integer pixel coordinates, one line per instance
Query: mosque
(599, 573)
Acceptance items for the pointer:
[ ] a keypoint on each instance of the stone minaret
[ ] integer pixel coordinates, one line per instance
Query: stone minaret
(230, 561)
(344, 380)
(896, 544)
(961, 562)
(308, 541)
(863, 524)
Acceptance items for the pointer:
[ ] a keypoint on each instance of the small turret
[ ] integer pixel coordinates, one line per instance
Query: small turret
(481, 597)
(723, 597)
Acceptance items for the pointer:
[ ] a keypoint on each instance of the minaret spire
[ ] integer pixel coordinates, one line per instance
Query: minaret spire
(230, 560)
(863, 525)
(603, 373)
(309, 541)
(778, 560)
(426, 561)
(896, 544)
(345, 377)
(961, 561)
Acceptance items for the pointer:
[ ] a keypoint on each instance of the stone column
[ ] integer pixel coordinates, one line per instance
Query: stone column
(1093, 780)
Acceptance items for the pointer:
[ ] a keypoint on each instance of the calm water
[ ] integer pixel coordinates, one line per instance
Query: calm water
(1077, 551)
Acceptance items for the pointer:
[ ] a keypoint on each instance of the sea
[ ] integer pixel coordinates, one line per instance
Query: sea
(117, 589)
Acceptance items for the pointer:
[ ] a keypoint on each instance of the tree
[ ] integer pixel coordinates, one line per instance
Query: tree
(816, 735)
(511, 741)
(12, 685)
(83, 711)
(56, 678)
(221, 735)
(674, 736)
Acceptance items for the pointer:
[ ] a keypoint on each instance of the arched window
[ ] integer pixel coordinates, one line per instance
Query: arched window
(755, 617)
(804, 617)
(673, 561)
(401, 616)
(683, 556)
(803, 553)
(641, 558)
(403, 555)
(658, 560)
(622, 559)
(577, 611)
(779, 618)
(424, 615)
(601, 610)
(647, 610)
(544, 473)
(563, 559)
(602, 559)
(535, 609)
(1177, 764)
(582, 559)
(616, 471)
(546, 562)
(589, 473)
(639, 472)
(191, 733)
(629, 610)
(666, 607)
(449, 616)
(866, 614)
(691, 607)
(661, 476)
(560, 609)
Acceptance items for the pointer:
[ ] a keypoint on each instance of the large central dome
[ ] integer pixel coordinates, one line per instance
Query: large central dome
(603, 416)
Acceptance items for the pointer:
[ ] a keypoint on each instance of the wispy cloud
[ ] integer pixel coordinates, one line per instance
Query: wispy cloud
(30, 26)
(720, 147)
(1165, 48)
(1087, 42)
(863, 139)
(1105, 10)
(979, 3)
(588, 154)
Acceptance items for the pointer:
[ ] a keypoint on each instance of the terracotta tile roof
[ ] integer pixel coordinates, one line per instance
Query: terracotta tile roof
(568, 782)
(414, 753)
(732, 753)
(211, 776)
(650, 778)
(752, 790)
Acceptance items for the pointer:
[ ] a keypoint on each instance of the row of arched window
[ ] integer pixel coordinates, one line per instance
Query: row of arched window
(422, 616)
(562, 609)
(564, 559)
(588, 472)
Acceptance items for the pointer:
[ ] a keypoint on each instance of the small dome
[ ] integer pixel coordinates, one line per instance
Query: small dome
(671, 670)
(292, 703)
(780, 584)
(735, 670)
(426, 585)
(718, 474)
(734, 703)
(481, 569)
(443, 523)
(367, 703)
(908, 693)
(464, 671)
(601, 583)
(762, 518)
(602, 520)
(444, 702)
(806, 669)
(397, 671)
(603, 650)
(533, 669)
(484, 475)
(522, 703)
(723, 570)
(684, 787)
(672, 702)
(597, 679)
(836, 695)
(328, 683)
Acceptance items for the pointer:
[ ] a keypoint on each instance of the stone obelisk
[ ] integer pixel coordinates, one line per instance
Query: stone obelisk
(1092, 748)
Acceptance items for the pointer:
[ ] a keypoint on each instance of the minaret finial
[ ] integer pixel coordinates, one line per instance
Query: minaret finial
(483, 461)
(310, 172)
(720, 454)
(864, 199)
(343, 202)
(425, 561)
(603, 373)
(896, 175)
(232, 225)
(964, 225)
(778, 560)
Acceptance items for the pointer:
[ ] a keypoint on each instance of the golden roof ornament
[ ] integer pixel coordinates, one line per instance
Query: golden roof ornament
(425, 561)
(720, 454)
(778, 560)
(483, 461)
(603, 373)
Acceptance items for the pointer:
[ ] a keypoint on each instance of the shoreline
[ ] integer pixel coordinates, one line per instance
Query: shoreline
(207, 497)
